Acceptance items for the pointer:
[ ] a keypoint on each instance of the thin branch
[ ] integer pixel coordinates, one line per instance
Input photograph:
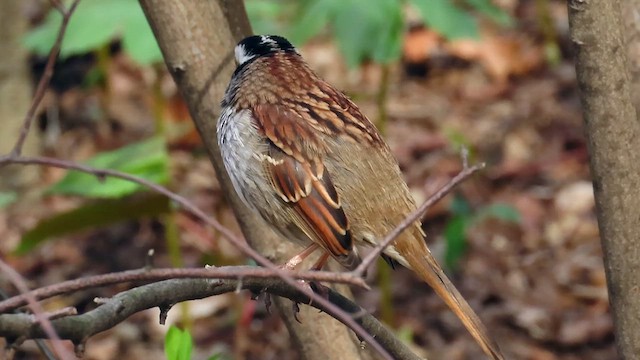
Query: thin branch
(36, 308)
(166, 293)
(226, 272)
(40, 343)
(187, 205)
(418, 213)
(330, 308)
(183, 202)
(46, 76)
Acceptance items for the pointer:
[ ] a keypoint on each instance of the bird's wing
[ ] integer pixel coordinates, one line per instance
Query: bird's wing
(294, 165)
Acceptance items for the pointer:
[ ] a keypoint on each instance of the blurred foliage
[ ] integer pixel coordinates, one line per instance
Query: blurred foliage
(455, 231)
(405, 334)
(369, 29)
(218, 357)
(95, 24)
(92, 215)
(147, 159)
(363, 29)
(7, 198)
(178, 344)
(271, 17)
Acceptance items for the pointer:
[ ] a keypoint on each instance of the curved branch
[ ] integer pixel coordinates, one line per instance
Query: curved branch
(166, 293)
(226, 272)
(331, 309)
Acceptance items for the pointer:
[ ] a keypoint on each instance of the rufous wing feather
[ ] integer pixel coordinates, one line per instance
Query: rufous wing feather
(300, 179)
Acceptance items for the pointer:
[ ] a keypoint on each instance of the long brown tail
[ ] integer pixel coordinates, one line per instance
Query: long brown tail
(425, 265)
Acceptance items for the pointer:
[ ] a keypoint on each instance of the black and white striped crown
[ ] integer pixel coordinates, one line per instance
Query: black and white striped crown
(256, 46)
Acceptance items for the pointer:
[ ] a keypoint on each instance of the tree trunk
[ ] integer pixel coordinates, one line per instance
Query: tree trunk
(613, 133)
(15, 92)
(631, 17)
(197, 40)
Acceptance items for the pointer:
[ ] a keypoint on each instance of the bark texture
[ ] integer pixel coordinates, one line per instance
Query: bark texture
(613, 133)
(631, 17)
(15, 94)
(197, 40)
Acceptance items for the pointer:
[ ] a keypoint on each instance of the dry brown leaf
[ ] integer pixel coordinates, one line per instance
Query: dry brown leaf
(501, 55)
(420, 43)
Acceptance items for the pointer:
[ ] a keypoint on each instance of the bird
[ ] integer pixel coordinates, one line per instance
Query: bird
(302, 156)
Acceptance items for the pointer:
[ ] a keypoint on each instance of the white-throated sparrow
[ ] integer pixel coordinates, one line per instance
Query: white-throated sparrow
(303, 156)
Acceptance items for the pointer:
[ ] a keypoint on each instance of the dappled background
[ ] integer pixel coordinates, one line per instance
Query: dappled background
(519, 239)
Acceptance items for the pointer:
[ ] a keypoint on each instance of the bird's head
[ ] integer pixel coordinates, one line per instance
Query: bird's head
(256, 46)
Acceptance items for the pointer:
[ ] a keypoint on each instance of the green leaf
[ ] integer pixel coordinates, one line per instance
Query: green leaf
(138, 40)
(447, 19)
(41, 39)
(363, 29)
(219, 356)
(94, 24)
(456, 240)
(352, 27)
(91, 215)
(491, 11)
(499, 211)
(389, 39)
(405, 333)
(265, 16)
(178, 344)
(315, 17)
(147, 159)
(7, 198)
(369, 29)
(460, 206)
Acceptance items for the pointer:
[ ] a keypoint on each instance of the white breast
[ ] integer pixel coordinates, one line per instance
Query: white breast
(241, 146)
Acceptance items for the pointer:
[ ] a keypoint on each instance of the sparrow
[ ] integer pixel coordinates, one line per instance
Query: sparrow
(303, 156)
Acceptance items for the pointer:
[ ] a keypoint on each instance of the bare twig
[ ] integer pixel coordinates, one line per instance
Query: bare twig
(226, 272)
(60, 313)
(36, 308)
(15, 278)
(46, 76)
(40, 343)
(464, 174)
(160, 294)
(187, 205)
(183, 202)
(418, 213)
